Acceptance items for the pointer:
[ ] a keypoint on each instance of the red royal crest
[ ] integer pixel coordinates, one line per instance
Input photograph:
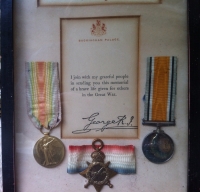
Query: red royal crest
(98, 29)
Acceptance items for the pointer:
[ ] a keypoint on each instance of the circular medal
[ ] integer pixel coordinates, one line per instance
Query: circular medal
(158, 147)
(49, 151)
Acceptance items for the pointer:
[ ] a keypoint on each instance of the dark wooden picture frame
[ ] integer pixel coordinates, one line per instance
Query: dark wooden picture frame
(7, 79)
(7, 96)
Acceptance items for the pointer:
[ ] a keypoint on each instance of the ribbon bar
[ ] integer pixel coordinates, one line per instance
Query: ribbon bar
(122, 158)
(160, 89)
(43, 94)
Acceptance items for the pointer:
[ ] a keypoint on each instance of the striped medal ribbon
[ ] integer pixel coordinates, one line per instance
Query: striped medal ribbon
(159, 109)
(122, 158)
(44, 109)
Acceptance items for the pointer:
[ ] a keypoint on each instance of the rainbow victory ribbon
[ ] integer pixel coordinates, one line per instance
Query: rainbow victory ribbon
(42, 93)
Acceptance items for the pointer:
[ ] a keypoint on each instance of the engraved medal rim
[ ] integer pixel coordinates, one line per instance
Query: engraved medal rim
(172, 143)
(57, 164)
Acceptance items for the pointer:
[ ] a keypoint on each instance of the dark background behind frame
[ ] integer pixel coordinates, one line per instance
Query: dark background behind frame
(194, 96)
(7, 95)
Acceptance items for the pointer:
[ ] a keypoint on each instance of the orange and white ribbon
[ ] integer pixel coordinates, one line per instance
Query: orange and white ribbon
(160, 89)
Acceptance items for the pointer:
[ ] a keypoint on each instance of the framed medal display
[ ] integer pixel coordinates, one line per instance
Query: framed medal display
(100, 95)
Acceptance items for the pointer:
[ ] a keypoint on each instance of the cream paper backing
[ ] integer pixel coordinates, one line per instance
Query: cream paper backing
(163, 31)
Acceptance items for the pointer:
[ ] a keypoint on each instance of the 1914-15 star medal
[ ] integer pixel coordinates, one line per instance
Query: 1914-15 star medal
(98, 173)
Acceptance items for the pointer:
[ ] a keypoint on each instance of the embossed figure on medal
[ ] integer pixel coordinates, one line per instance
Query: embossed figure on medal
(44, 110)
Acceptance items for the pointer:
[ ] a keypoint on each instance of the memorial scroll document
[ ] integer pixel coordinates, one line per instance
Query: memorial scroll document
(99, 66)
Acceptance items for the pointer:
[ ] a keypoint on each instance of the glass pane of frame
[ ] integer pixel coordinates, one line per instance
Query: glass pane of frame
(37, 37)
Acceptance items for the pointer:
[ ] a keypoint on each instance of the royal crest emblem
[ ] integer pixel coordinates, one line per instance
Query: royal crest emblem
(98, 29)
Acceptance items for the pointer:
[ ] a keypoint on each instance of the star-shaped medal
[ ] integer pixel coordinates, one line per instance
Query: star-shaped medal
(98, 173)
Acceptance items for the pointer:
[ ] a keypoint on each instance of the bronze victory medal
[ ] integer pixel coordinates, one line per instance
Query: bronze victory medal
(49, 151)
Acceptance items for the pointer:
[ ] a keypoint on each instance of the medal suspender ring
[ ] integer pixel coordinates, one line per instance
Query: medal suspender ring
(95, 147)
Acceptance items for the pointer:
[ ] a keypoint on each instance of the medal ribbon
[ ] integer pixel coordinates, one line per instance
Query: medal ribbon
(42, 93)
(160, 89)
(122, 158)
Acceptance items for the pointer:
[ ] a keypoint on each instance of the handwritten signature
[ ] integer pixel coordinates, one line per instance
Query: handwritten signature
(119, 123)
